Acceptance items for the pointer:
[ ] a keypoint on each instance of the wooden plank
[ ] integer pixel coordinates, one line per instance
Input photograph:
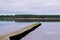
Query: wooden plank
(20, 33)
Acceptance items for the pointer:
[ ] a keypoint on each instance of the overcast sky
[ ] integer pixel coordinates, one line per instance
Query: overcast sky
(45, 7)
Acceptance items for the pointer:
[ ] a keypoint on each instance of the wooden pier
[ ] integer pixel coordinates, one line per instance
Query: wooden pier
(18, 34)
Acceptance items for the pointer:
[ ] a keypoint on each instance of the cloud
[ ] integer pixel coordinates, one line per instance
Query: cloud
(31, 6)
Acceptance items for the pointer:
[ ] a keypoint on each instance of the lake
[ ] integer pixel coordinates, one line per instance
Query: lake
(47, 31)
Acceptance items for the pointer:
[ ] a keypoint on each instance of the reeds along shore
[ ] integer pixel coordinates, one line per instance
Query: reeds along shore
(37, 18)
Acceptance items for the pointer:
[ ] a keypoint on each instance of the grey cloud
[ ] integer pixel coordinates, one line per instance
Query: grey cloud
(31, 6)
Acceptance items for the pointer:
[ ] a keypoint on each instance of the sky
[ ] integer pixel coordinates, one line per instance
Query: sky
(38, 7)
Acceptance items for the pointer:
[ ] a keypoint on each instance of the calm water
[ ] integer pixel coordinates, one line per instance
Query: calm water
(47, 31)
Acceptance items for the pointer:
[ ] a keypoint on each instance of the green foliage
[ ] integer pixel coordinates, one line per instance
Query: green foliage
(29, 16)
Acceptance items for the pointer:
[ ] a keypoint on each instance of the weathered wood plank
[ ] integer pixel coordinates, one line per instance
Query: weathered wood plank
(20, 33)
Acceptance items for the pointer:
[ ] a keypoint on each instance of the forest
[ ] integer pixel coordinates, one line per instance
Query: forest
(29, 16)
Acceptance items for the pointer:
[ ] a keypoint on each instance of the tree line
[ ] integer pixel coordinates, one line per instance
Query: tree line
(29, 16)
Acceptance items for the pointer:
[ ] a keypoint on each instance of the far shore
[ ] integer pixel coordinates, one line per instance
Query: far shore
(32, 19)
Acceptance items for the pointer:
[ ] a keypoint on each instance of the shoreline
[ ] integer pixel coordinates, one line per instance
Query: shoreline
(30, 19)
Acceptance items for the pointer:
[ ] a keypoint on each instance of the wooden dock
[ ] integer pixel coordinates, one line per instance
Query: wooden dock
(18, 34)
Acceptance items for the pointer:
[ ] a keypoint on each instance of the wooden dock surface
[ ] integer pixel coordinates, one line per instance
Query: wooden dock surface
(23, 30)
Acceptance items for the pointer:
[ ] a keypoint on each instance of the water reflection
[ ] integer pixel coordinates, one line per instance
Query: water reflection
(8, 26)
(47, 31)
